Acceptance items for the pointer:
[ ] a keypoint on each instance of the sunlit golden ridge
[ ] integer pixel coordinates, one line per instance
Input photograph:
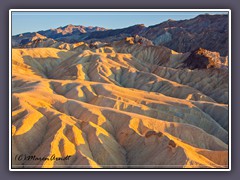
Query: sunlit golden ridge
(119, 105)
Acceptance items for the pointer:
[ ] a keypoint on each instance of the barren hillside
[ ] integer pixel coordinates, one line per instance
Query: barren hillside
(125, 104)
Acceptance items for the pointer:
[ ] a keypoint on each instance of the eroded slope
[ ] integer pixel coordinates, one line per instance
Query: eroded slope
(124, 105)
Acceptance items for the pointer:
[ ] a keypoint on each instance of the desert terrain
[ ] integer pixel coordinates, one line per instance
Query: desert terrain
(120, 101)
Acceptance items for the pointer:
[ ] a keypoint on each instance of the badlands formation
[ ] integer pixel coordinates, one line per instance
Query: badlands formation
(124, 104)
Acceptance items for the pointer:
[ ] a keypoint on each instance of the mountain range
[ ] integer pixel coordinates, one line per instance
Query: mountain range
(206, 31)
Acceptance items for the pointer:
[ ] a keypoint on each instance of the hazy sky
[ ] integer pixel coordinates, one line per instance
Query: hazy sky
(36, 21)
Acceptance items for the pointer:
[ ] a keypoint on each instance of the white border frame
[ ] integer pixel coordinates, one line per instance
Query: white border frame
(113, 10)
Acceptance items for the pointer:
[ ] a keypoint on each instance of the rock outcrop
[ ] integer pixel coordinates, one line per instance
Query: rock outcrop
(203, 59)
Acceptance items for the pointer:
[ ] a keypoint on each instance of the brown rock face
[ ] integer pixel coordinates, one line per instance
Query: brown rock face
(172, 143)
(202, 59)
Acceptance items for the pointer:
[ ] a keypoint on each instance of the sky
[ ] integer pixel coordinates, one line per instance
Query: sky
(35, 21)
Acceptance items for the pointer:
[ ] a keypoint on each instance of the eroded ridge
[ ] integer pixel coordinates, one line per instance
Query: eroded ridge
(119, 105)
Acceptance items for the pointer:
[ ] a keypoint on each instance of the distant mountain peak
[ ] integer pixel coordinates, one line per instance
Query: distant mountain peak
(141, 25)
(207, 31)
